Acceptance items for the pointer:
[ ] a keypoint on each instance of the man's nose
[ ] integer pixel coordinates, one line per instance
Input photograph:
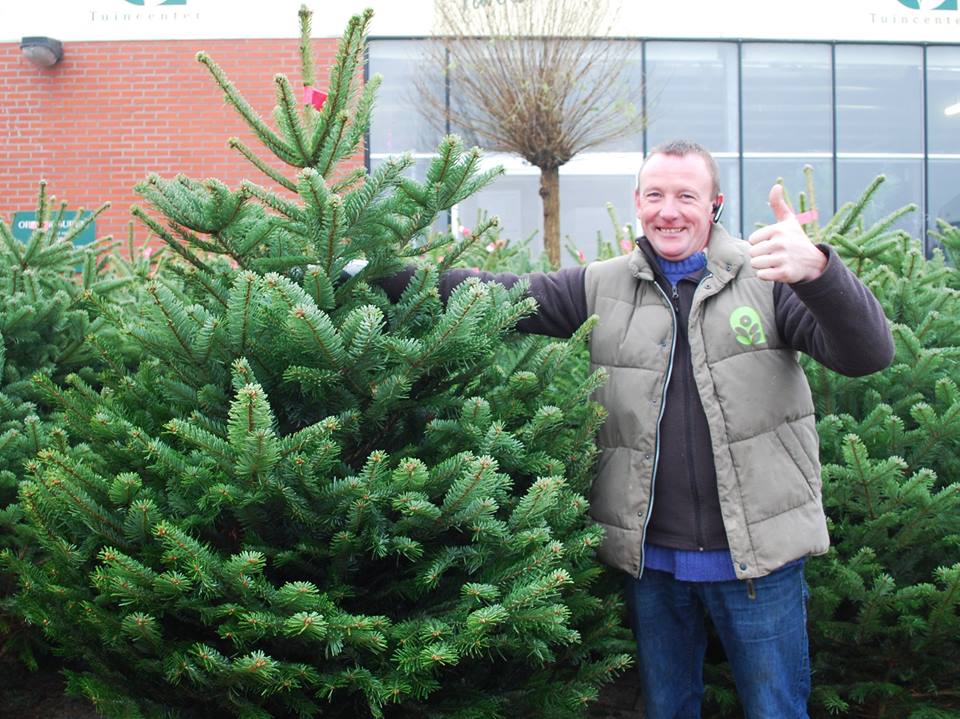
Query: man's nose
(668, 209)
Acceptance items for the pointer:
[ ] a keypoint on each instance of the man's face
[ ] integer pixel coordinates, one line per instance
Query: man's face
(675, 204)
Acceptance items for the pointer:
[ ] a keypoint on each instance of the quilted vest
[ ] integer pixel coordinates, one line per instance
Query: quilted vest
(754, 393)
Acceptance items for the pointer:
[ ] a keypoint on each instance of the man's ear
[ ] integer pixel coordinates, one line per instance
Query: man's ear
(636, 200)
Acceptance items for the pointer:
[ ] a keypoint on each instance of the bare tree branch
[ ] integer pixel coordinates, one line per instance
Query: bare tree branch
(543, 79)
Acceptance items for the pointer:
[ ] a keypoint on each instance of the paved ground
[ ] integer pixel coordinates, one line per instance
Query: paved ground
(620, 700)
(40, 696)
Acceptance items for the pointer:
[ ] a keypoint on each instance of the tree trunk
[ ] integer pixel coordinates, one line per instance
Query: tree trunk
(550, 196)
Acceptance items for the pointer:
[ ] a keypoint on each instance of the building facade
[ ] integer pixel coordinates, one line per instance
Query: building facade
(851, 109)
(853, 89)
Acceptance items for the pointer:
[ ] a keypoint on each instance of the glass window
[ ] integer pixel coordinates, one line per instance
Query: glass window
(584, 214)
(943, 101)
(943, 124)
(880, 128)
(692, 94)
(903, 185)
(879, 99)
(787, 102)
(630, 97)
(730, 186)
(760, 174)
(603, 92)
(417, 171)
(399, 123)
(944, 194)
(787, 123)
(515, 199)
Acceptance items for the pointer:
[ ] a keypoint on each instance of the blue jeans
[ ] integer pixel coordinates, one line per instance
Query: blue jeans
(763, 627)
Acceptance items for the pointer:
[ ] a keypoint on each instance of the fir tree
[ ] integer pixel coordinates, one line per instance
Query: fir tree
(46, 329)
(42, 330)
(306, 500)
(886, 601)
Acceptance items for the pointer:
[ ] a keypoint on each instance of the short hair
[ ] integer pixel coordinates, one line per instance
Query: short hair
(681, 148)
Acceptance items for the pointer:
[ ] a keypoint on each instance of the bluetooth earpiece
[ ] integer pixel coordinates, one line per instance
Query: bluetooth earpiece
(717, 209)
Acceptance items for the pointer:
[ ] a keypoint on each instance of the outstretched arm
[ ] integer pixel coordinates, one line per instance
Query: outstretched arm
(822, 308)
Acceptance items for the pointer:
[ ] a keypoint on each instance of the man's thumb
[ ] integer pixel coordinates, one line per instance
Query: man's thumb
(778, 203)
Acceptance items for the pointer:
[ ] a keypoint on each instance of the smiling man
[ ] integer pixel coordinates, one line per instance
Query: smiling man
(728, 501)
(708, 480)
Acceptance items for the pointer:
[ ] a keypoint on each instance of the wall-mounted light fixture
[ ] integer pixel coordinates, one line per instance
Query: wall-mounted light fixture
(42, 51)
(951, 110)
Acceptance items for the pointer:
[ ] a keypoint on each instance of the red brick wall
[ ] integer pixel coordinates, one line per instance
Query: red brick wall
(110, 113)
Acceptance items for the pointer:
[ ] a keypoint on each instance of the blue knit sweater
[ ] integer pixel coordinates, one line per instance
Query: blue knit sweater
(676, 271)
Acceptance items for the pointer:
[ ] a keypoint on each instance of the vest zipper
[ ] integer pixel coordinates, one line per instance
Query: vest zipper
(674, 305)
(697, 514)
(688, 433)
(663, 404)
(691, 475)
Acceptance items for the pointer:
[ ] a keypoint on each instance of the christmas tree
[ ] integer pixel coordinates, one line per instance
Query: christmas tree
(885, 612)
(46, 329)
(43, 330)
(305, 499)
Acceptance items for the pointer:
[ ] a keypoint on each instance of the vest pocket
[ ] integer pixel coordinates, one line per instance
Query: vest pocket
(805, 430)
(793, 446)
(774, 474)
(800, 439)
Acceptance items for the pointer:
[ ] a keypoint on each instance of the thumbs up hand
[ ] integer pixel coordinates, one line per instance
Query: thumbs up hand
(783, 252)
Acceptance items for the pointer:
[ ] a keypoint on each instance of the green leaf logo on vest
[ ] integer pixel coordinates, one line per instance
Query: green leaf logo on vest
(746, 325)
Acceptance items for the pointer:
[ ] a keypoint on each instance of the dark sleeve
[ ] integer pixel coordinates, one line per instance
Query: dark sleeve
(561, 296)
(836, 320)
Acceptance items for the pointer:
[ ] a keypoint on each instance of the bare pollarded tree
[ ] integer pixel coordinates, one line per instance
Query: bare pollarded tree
(543, 79)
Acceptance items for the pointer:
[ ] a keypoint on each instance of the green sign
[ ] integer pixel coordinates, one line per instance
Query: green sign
(24, 223)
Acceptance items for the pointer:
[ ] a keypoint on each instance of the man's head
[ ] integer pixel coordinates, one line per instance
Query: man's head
(677, 196)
